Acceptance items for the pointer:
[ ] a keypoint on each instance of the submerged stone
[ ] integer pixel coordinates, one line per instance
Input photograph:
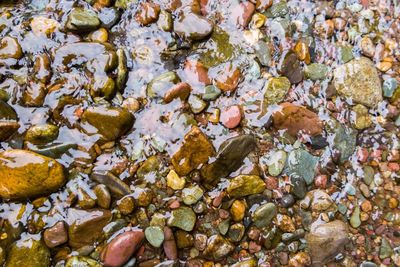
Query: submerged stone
(244, 185)
(82, 20)
(302, 164)
(29, 251)
(183, 218)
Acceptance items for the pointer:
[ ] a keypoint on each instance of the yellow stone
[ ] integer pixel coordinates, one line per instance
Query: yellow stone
(25, 174)
(44, 26)
(174, 181)
(238, 209)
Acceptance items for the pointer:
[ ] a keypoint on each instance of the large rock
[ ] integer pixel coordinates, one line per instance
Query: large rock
(195, 150)
(86, 226)
(326, 241)
(109, 122)
(296, 119)
(230, 157)
(29, 251)
(359, 81)
(24, 174)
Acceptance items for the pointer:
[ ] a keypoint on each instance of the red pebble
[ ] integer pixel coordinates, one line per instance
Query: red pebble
(231, 116)
(320, 181)
(174, 205)
(362, 155)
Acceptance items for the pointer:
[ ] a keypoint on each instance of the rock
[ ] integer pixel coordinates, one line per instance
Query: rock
(81, 261)
(211, 92)
(24, 174)
(290, 67)
(263, 52)
(41, 134)
(242, 13)
(196, 72)
(183, 218)
(237, 210)
(217, 248)
(195, 150)
(302, 164)
(327, 240)
(147, 13)
(320, 201)
(244, 185)
(316, 71)
(55, 235)
(183, 239)
(160, 87)
(82, 20)
(359, 81)
(287, 201)
(174, 181)
(165, 21)
(355, 220)
(227, 77)
(285, 223)
(263, 5)
(389, 87)
(197, 105)
(192, 26)
(367, 47)
(299, 186)
(8, 121)
(121, 248)
(86, 226)
(192, 194)
(236, 232)
(278, 9)
(276, 162)
(169, 245)
(231, 116)
(294, 119)
(344, 140)
(103, 196)
(264, 215)
(230, 157)
(361, 119)
(385, 250)
(155, 235)
(276, 90)
(109, 122)
(28, 251)
(43, 26)
(180, 90)
(116, 186)
(10, 48)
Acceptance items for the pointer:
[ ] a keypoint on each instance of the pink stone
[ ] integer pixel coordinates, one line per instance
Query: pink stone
(362, 155)
(231, 116)
(320, 181)
(121, 248)
(242, 13)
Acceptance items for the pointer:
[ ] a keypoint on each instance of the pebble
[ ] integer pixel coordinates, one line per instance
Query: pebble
(174, 181)
(82, 20)
(217, 247)
(316, 71)
(355, 220)
(121, 248)
(192, 194)
(264, 215)
(389, 87)
(276, 162)
(155, 235)
(227, 77)
(183, 218)
(55, 235)
(197, 105)
(147, 13)
(211, 92)
(231, 116)
(276, 89)
(287, 201)
(237, 210)
(244, 185)
(10, 48)
(103, 196)
(169, 245)
(192, 26)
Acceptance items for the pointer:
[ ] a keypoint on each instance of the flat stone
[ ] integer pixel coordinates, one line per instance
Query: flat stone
(183, 218)
(218, 247)
(82, 20)
(303, 164)
(264, 215)
(244, 185)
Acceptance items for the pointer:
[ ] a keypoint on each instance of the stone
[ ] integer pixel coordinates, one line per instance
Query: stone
(344, 140)
(28, 251)
(116, 186)
(237, 210)
(236, 232)
(385, 250)
(155, 235)
(196, 72)
(287, 201)
(361, 119)
(103, 196)
(147, 13)
(218, 247)
(192, 194)
(43, 26)
(211, 92)
(296, 119)
(180, 90)
(264, 214)
(41, 134)
(55, 235)
(82, 261)
(183, 239)
(389, 87)
(327, 240)
(355, 220)
(183, 218)
(174, 181)
(276, 89)
(197, 105)
(192, 26)
(231, 116)
(277, 9)
(302, 164)
(169, 245)
(320, 201)
(196, 149)
(25, 174)
(109, 122)
(227, 77)
(10, 48)
(242, 13)
(160, 86)
(121, 248)
(244, 185)
(359, 81)
(316, 71)
(82, 20)
(290, 67)
(299, 186)
(86, 226)
(229, 158)
(8, 121)
(276, 162)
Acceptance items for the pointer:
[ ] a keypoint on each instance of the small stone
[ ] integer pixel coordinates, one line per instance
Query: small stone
(197, 105)
(236, 232)
(361, 119)
(192, 26)
(389, 87)
(126, 205)
(147, 13)
(263, 5)
(231, 116)
(121, 248)
(290, 67)
(41, 134)
(155, 235)
(192, 194)
(56, 235)
(242, 13)
(276, 90)
(302, 164)
(320, 201)
(217, 247)
(195, 150)
(244, 185)
(227, 77)
(169, 245)
(316, 71)
(82, 261)
(276, 162)
(183, 239)
(302, 51)
(10, 48)
(174, 181)
(285, 223)
(211, 92)
(287, 201)
(28, 251)
(183, 218)
(103, 196)
(264, 215)
(165, 21)
(367, 47)
(355, 220)
(43, 26)
(82, 20)
(359, 81)
(237, 210)
(180, 90)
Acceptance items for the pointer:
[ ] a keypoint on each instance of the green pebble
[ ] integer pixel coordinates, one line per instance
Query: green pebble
(389, 86)
(355, 220)
(155, 235)
(316, 71)
(192, 194)
(211, 92)
(183, 218)
(196, 104)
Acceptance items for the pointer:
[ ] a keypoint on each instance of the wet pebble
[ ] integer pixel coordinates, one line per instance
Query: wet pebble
(231, 116)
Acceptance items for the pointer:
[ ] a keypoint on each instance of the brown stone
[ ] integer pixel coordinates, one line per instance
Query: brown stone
(55, 235)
